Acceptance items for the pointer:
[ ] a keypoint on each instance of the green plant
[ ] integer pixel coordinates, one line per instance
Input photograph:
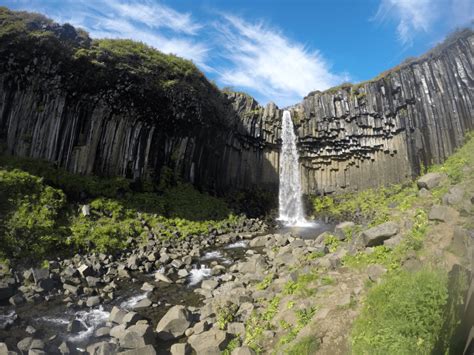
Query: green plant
(332, 243)
(267, 281)
(410, 322)
(308, 345)
(233, 344)
(225, 315)
(327, 280)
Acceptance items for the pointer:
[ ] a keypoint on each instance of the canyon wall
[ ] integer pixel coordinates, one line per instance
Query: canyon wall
(351, 137)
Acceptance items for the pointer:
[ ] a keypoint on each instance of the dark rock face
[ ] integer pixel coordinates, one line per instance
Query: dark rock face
(350, 138)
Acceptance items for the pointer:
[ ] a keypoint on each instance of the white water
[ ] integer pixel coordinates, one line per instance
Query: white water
(239, 244)
(290, 202)
(198, 274)
(133, 301)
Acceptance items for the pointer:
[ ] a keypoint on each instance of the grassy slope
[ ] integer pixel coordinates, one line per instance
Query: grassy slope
(409, 311)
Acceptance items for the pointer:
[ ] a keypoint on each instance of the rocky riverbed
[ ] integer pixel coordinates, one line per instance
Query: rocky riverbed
(161, 296)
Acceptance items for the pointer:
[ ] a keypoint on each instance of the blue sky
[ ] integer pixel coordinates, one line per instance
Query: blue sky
(273, 49)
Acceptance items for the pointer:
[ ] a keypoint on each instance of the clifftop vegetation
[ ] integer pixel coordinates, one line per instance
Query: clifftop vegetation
(128, 75)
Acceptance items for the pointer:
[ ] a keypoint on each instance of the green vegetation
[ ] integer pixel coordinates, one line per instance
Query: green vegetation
(233, 344)
(265, 283)
(226, 314)
(412, 319)
(371, 206)
(332, 243)
(392, 258)
(300, 287)
(305, 346)
(259, 322)
(454, 165)
(40, 211)
(303, 317)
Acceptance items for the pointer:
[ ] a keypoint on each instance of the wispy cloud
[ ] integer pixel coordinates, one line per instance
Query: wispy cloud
(415, 16)
(263, 59)
(156, 15)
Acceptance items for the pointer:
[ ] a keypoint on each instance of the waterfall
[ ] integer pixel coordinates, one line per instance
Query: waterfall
(290, 202)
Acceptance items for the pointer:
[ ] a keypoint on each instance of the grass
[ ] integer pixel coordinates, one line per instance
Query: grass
(300, 287)
(412, 319)
(305, 346)
(392, 258)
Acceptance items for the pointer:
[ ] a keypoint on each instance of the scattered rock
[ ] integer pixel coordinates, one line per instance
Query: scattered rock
(116, 315)
(430, 180)
(138, 336)
(146, 350)
(342, 228)
(75, 326)
(375, 271)
(159, 276)
(180, 349)
(243, 350)
(211, 342)
(442, 213)
(174, 323)
(376, 235)
(93, 301)
(454, 196)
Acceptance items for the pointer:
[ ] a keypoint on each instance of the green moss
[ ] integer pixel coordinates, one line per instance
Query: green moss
(410, 323)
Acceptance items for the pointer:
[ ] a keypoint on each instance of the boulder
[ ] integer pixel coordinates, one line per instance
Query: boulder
(93, 301)
(137, 336)
(131, 318)
(39, 275)
(159, 276)
(454, 196)
(243, 350)
(180, 349)
(146, 350)
(142, 304)
(430, 180)
(376, 235)
(17, 299)
(342, 228)
(102, 348)
(85, 270)
(116, 315)
(209, 284)
(75, 326)
(442, 213)
(213, 341)
(375, 271)
(174, 323)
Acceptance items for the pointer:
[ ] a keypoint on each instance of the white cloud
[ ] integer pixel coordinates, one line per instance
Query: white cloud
(412, 15)
(156, 15)
(415, 16)
(263, 59)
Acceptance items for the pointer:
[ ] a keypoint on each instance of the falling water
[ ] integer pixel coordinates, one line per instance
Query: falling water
(290, 202)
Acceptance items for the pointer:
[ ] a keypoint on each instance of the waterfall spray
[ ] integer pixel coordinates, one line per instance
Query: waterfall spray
(290, 202)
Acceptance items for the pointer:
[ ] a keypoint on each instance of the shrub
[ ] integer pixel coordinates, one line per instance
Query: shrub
(30, 214)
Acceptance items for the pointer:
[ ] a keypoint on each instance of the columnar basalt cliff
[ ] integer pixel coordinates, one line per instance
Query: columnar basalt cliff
(80, 104)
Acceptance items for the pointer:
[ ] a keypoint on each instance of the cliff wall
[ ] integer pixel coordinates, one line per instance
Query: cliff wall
(76, 102)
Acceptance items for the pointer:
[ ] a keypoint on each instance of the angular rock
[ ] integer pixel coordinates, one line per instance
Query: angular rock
(159, 276)
(430, 180)
(85, 270)
(243, 350)
(180, 349)
(211, 342)
(137, 336)
(146, 350)
(209, 284)
(442, 213)
(174, 323)
(376, 235)
(375, 271)
(342, 228)
(454, 196)
(116, 315)
(93, 301)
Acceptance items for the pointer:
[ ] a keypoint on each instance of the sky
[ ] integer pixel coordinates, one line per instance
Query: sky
(275, 50)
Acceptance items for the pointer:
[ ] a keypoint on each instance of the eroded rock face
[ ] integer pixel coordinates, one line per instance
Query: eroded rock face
(350, 137)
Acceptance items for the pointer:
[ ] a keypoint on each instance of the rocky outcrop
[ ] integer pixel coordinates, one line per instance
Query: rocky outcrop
(351, 137)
